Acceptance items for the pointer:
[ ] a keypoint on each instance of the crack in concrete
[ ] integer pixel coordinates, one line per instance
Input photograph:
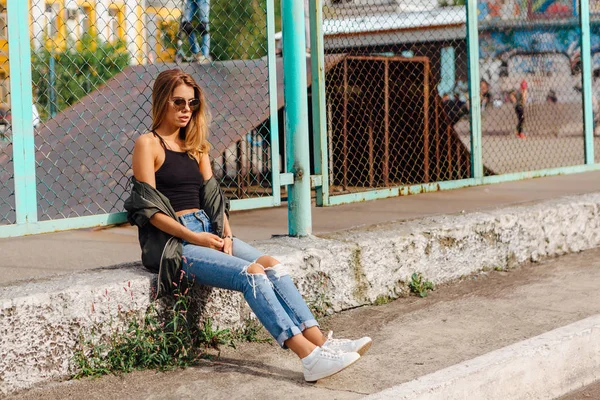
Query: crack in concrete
(344, 390)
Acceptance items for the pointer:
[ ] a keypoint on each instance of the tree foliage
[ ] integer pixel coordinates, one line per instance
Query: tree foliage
(78, 70)
(449, 3)
(239, 28)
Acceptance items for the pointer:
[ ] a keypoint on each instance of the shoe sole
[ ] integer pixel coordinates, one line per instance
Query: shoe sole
(327, 376)
(365, 348)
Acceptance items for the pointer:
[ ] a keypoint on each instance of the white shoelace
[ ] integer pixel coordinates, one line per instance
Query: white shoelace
(332, 341)
(330, 353)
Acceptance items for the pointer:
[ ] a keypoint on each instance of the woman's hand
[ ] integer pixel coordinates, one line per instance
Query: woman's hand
(209, 240)
(228, 246)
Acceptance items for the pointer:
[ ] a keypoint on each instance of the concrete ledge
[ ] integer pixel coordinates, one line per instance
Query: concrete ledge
(40, 322)
(544, 367)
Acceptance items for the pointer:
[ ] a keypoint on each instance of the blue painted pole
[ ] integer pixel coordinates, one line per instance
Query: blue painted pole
(296, 117)
(273, 108)
(319, 111)
(19, 55)
(586, 81)
(473, 68)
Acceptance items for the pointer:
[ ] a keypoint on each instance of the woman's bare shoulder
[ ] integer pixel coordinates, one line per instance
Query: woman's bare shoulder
(145, 156)
(147, 141)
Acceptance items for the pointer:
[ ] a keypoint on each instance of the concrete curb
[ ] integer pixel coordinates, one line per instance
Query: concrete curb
(543, 367)
(41, 322)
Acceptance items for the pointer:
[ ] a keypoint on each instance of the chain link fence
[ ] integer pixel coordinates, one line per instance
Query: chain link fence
(93, 66)
(7, 196)
(531, 85)
(394, 101)
(391, 124)
(396, 86)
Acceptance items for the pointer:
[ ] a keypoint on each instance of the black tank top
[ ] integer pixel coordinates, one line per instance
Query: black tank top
(179, 179)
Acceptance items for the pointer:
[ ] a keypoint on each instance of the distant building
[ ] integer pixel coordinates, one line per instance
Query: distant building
(55, 22)
(161, 24)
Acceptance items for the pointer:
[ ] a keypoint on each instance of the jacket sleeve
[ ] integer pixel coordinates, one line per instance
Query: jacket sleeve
(139, 209)
(213, 202)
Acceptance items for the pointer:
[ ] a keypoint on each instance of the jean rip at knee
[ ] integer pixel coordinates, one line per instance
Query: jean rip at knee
(277, 271)
(251, 278)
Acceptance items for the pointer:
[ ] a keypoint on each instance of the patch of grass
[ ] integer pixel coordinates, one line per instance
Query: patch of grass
(382, 299)
(252, 331)
(210, 337)
(160, 339)
(419, 285)
(320, 306)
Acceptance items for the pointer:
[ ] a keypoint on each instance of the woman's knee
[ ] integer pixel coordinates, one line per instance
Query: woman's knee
(267, 261)
(255, 268)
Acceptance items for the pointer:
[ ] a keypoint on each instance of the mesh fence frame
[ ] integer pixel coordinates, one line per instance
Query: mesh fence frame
(408, 138)
(389, 125)
(7, 183)
(93, 66)
(595, 74)
(396, 91)
(530, 69)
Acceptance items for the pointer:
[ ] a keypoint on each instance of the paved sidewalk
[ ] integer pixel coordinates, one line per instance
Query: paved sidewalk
(412, 337)
(65, 252)
(587, 393)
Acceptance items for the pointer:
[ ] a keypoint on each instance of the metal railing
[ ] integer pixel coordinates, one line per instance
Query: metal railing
(441, 96)
(405, 96)
(88, 70)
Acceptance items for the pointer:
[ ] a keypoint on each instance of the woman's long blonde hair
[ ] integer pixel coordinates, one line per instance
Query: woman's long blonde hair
(195, 134)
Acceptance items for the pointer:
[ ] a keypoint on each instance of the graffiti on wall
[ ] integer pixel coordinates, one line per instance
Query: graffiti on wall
(494, 10)
(547, 57)
(497, 10)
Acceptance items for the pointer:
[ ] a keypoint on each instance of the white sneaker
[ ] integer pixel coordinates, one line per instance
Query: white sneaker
(324, 362)
(359, 346)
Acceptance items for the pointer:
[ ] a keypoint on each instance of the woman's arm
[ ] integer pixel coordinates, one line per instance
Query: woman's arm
(206, 171)
(174, 228)
(205, 168)
(228, 246)
(144, 156)
(143, 159)
(226, 227)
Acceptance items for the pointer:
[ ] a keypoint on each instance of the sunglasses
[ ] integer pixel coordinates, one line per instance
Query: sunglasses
(179, 103)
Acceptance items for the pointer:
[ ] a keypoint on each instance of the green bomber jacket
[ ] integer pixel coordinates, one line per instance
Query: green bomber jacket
(162, 252)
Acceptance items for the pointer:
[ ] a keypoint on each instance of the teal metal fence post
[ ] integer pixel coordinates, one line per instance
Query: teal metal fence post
(474, 101)
(19, 53)
(319, 111)
(586, 80)
(273, 106)
(296, 117)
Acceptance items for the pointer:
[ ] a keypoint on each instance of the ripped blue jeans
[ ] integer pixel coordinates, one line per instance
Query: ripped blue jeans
(272, 296)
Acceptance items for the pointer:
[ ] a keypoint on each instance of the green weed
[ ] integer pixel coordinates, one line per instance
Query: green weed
(160, 339)
(383, 299)
(419, 285)
(252, 331)
(320, 306)
(214, 338)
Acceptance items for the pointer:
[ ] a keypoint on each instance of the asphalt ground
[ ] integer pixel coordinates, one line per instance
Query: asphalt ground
(590, 392)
